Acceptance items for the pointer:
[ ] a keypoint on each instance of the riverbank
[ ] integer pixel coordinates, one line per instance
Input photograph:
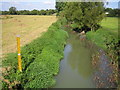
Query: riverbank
(106, 65)
(40, 61)
(85, 65)
(75, 69)
(107, 38)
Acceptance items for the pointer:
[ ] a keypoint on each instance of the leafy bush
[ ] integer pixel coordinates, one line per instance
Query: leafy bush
(40, 59)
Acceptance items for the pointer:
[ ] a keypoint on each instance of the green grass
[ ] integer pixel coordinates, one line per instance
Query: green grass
(40, 60)
(110, 24)
(105, 35)
(107, 38)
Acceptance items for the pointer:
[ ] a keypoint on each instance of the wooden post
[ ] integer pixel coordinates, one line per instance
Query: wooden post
(19, 54)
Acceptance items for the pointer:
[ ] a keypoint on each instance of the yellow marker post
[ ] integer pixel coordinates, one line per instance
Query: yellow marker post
(19, 55)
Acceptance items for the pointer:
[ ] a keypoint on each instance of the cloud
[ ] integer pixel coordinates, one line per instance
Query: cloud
(48, 2)
(112, 0)
(14, 3)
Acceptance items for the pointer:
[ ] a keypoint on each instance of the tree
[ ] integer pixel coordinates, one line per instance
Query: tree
(83, 15)
(60, 6)
(43, 12)
(12, 10)
(34, 12)
(112, 12)
(50, 12)
(5, 12)
(117, 12)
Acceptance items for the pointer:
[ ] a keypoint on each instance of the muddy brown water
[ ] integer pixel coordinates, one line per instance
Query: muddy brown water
(76, 70)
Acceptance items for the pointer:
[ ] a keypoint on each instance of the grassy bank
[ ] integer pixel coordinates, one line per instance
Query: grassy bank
(40, 60)
(107, 38)
(106, 34)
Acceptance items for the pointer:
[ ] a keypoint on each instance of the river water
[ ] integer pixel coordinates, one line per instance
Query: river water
(76, 70)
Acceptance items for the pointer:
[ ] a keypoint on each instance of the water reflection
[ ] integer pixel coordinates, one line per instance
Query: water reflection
(80, 58)
(75, 68)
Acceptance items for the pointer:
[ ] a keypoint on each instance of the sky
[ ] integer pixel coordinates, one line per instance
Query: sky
(42, 4)
(38, 4)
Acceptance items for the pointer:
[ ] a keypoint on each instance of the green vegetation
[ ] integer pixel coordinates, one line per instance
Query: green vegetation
(107, 37)
(81, 15)
(40, 60)
(112, 12)
(60, 7)
(14, 11)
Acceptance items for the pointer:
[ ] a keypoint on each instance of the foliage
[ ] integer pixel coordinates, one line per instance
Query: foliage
(23, 12)
(112, 12)
(81, 15)
(40, 59)
(13, 11)
(107, 37)
(5, 85)
(60, 6)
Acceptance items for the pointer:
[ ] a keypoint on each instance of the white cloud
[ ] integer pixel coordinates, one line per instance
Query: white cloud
(14, 3)
(48, 2)
(112, 0)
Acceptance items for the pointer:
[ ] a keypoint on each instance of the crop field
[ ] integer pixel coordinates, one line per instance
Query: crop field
(29, 27)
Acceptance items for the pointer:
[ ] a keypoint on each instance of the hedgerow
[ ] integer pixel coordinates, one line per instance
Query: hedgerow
(40, 60)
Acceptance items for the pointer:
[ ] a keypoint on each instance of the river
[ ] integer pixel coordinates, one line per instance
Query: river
(76, 70)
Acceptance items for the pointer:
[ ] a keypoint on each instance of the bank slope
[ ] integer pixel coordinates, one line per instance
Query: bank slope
(40, 60)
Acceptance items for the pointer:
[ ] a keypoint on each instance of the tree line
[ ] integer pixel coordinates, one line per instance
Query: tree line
(112, 12)
(14, 11)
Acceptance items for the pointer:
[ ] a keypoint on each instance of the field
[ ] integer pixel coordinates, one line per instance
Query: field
(29, 27)
(110, 24)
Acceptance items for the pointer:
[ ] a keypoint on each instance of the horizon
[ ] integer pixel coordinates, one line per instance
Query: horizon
(42, 5)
